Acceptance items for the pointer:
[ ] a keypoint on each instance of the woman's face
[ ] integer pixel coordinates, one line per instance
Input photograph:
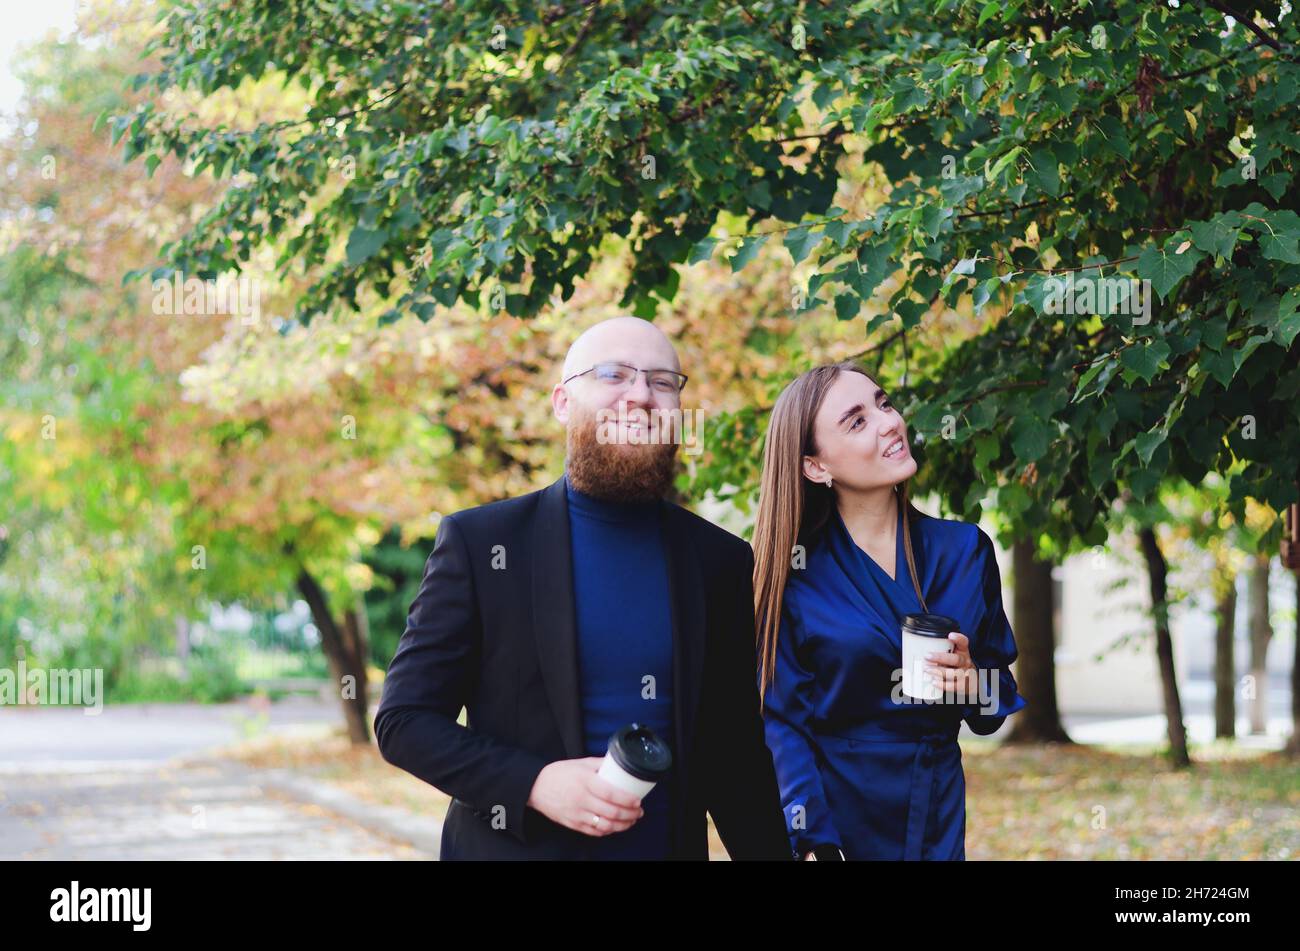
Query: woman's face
(861, 438)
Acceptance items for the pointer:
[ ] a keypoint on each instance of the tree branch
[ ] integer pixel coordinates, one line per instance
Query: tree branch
(1248, 23)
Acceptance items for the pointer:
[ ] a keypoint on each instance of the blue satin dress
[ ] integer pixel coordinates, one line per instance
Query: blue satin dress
(879, 778)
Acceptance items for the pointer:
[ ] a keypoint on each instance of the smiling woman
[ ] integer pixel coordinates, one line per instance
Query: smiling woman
(841, 559)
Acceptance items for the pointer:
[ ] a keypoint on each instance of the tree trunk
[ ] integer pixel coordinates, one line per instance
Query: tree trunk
(1158, 573)
(356, 636)
(1225, 670)
(1261, 632)
(345, 655)
(1040, 721)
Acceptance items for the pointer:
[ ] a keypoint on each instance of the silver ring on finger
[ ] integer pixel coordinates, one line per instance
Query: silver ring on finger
(595, 821)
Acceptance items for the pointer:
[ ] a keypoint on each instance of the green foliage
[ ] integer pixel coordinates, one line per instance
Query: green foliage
(1017, 143)
(208, 677)
(398, 571)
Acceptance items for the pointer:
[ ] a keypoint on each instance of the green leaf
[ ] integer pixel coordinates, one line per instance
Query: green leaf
(872, 267)
(1275, 184)
(1116, 139)
(1143, 481)
(839, 232)
(878, 113)
(363, 243)
(1221, 366)
(1279, 233)
(1240, 355)
(1165, 269)
(1280, 247)
(745, 253)
(799, 241)
(907, 94)
(1044, 172)
(1218, 236)
(847, 306)
(964, 266)
(1288, 318)
(1036, 289)
(956, 190)
(910, 312)
(703, 250)
(1003, 162)
(1087, 377)
(933, 217)
(1031, 440)
(1144, 359)
(1146, 444)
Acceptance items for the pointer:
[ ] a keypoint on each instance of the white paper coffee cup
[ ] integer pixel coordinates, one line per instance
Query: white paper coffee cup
(924, 634)
(636, 760)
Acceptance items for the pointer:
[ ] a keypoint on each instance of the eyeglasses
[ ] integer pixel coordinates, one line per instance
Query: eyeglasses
(622, 375)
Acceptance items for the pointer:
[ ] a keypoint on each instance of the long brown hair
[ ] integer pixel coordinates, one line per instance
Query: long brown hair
(793, 509)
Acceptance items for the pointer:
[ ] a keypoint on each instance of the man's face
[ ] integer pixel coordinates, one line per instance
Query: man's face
(622, 426)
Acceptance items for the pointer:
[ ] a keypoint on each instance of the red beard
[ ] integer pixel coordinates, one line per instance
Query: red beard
(617, 472)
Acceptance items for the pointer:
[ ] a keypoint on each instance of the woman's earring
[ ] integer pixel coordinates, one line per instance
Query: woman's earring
(828, 481)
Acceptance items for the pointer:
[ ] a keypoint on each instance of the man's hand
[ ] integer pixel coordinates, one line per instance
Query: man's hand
(570, 793)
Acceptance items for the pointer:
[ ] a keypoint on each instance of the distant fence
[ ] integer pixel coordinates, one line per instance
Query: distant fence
(276, 652)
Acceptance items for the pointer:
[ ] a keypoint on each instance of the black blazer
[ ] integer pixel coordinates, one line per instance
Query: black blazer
(492, 630)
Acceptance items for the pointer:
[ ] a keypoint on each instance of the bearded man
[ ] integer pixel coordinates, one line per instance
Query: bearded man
(557, 618)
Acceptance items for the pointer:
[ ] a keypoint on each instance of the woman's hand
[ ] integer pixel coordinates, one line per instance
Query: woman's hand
(954, 671)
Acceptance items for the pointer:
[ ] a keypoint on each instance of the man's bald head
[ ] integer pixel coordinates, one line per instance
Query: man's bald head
(621, 340)
(632, 456)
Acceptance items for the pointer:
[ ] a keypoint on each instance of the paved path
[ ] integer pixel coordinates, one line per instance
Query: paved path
(146, 781)
(147, 732)
(210, 809)
(138, 782)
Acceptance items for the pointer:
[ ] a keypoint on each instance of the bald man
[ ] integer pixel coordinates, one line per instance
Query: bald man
(559, 617)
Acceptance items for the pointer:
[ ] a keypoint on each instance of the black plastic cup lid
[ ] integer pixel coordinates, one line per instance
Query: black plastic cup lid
(930, 625)
(639, 752)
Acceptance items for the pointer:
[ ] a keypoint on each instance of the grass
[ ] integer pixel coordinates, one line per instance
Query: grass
(1127, 803)
(1022, 802)
(216, 676)
(255, 663)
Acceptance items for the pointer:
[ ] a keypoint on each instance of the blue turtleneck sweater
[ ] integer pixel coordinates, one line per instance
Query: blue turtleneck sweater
(625, 644)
